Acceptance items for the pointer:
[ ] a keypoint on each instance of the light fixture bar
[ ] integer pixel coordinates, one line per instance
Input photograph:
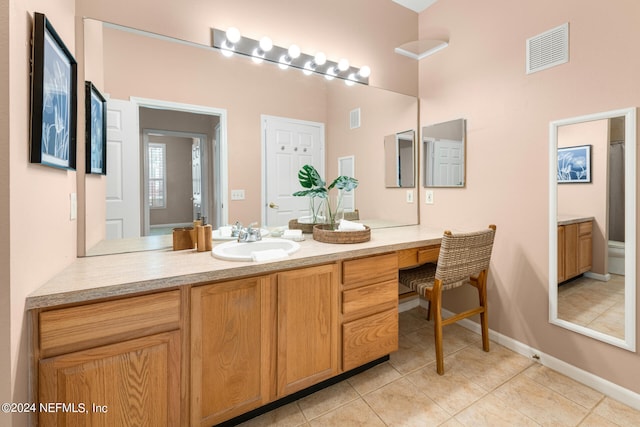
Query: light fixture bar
(246, 47)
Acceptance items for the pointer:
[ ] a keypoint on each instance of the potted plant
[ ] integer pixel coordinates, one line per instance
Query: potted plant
(315, 188)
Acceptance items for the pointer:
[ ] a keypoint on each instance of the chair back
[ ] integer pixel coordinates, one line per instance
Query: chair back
(464, 255)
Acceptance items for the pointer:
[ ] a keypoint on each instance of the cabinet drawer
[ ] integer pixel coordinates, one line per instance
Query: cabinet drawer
(585, 228)
(365, 271)
(369, 338)
(91, 325)
(370, 299)
(417, 256)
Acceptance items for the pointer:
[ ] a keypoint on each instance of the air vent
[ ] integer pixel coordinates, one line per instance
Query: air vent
(548, 49)
(354, 119)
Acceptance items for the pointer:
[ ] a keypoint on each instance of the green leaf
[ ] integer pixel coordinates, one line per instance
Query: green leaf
(309, 177)
(313, 192)
(345, 183)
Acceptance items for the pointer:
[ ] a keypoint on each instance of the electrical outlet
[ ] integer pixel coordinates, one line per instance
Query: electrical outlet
(428, 197)
(409, 196)
(73, 207)
(237, 194)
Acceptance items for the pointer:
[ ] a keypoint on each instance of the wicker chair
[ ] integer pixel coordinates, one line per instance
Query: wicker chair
(464, 259)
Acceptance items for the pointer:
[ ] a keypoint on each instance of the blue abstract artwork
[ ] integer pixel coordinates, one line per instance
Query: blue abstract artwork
(574, 164)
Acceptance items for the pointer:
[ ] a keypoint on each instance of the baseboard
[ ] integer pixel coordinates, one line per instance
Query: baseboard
(597, 276)
(612, 390)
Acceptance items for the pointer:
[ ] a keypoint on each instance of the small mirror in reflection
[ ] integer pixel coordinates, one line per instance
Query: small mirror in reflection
(443, 145)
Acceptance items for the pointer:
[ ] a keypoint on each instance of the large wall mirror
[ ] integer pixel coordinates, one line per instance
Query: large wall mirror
(189, 99)
(443, 147)
(592, 226)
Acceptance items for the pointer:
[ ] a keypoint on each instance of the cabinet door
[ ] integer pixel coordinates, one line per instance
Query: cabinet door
(231, 333)
(307, 327)
(561, 256)
(570, 250)
(133, 383)
(585, 247)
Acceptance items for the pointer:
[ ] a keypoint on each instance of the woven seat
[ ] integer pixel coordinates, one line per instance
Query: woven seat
(464, 259)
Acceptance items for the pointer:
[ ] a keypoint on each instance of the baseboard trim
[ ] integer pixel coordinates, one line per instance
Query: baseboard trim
(606, 387)
(597, 276)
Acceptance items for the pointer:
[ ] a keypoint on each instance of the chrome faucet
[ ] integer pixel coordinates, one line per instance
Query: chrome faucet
(249, 234)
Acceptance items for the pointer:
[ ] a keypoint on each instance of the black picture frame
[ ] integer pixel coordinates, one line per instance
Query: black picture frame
(95, 130)
(54, 91)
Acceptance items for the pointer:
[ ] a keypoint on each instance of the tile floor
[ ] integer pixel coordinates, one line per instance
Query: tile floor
(595, 304)
(499, 388)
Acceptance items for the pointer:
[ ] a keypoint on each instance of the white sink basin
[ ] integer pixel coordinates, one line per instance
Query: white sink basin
(244, 251)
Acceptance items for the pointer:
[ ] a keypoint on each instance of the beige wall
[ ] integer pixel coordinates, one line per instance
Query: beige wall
(481, 77)
(42, 238)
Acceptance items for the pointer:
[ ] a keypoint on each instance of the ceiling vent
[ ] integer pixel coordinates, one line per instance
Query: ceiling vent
(548, 49)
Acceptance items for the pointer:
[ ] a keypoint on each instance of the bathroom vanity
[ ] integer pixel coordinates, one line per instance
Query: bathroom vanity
(575, 246)
(181, 338)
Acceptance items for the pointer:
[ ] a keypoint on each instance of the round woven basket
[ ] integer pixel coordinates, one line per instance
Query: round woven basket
(324, 233)
(306, 228)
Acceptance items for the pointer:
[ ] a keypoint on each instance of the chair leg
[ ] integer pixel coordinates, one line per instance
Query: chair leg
(436, 300)
(484, 321)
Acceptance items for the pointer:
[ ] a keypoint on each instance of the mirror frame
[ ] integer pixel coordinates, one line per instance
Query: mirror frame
(629, 341)
(424, 136)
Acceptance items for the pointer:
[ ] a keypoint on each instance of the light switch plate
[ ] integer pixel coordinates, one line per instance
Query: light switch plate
(73, 206)
(237, 194)
(409, 196)
(428, 199)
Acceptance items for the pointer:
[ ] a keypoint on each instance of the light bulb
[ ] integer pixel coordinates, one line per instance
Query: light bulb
(257, 55)
(266, 44)
(233, 35)
(343, 65)
(330, 74)
(320, 58)
(294, 51)
(308, 68)
(365, 71)
(351, 80)
(284, 62)
(227, 49)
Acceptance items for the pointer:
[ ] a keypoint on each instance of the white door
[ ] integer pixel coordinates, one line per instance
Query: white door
(447, 167)
(346, 167)
(196, 178)
(123, 170)
(288, 145)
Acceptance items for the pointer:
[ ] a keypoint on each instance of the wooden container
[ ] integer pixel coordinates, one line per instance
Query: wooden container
(306, 228)
(324, 233)
(183, 238)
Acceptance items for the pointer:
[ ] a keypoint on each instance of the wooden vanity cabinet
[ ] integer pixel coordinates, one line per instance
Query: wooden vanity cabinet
(111, 363)
(258, 339)
(575, 249)
(369, 309)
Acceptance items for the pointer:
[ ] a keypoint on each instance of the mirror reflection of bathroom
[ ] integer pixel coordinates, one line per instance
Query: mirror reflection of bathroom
(399, 160)
(443, 145)
(591, 216)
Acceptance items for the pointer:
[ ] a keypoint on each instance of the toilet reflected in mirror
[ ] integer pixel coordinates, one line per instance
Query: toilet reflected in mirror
(592, 225)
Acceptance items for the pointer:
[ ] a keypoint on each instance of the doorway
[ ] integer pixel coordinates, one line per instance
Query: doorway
(288, 144)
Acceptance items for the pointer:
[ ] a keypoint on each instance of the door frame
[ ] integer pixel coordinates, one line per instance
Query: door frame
(264, 118)
(220, 176)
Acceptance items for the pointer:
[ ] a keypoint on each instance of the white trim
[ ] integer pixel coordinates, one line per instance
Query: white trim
(421, 55)
(596, 276)
(629, 342)
(223, 173)
(606, 387)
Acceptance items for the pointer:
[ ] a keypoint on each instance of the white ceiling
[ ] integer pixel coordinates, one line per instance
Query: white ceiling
(416, 5)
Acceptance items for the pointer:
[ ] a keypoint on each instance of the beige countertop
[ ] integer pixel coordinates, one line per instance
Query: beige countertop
(93, 278)
(573, 219)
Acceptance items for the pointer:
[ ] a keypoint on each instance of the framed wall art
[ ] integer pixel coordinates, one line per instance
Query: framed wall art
(95, 130)
(574, 164)
(53, 98)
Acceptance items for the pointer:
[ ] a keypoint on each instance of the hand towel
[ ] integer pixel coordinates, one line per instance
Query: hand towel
(350, 226)
(269, 255)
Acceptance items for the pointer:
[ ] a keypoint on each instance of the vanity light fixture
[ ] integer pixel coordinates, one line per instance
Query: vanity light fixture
(231, 41)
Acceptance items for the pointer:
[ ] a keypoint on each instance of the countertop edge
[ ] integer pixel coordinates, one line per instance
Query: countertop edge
(52, 294)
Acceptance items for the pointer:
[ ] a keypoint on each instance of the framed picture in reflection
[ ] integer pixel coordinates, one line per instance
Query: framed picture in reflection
(95, 130)
(574, 164)
(53, 98)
